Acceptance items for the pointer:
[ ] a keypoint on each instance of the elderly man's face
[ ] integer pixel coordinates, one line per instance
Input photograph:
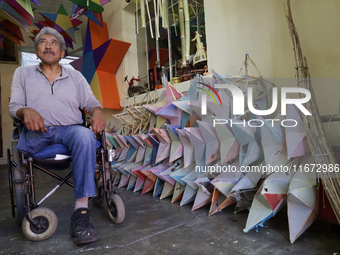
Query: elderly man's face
(49, 50)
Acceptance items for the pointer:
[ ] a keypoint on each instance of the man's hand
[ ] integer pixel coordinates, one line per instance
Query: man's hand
(32, 119)
(97, 120)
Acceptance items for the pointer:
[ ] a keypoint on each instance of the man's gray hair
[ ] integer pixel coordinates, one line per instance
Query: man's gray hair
(50, 31)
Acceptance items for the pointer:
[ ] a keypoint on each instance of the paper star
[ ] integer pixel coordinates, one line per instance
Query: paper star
(12, 31)
(102, 57)
(95, 6)
(62, 23)
(78, 11)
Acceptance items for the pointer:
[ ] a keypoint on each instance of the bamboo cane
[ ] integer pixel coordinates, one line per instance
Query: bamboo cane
(181, 28)
(148, 11)
(159, 11)
(160, 8)
(156, 8)
(187, 29)
(137, 25)
(318, 144)
(165, 18)
(173, 16)
(142, 12)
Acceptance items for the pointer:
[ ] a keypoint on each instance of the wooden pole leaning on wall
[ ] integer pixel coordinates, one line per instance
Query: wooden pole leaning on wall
(318, 144)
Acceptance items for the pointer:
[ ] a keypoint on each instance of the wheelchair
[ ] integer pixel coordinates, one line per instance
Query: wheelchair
(39, 223)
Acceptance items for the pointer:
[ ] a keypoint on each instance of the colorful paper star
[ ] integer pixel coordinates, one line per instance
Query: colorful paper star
(102, 57)
(78, 11)
(92, 5)
(62, 23)
(12, 14)
(11, 31)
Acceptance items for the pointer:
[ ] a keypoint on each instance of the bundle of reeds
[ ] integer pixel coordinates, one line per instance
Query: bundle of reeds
(318, 144)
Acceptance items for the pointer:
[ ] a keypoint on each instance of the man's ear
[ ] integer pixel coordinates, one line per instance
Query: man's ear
(62, 53)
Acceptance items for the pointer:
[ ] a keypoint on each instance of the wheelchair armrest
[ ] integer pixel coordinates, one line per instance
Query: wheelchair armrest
(19, 125)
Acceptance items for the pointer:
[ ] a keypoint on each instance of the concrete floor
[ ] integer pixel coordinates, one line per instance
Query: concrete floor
(154, 226)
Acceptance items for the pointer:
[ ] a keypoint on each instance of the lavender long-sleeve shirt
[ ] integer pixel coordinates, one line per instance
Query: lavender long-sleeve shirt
(58, 103)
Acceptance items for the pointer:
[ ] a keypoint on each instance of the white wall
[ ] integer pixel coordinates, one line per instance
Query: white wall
(259, 28)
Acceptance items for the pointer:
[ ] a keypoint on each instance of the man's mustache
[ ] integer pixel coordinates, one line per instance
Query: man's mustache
(48, 51)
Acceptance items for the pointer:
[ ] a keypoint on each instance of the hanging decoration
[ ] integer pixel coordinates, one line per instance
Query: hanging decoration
(22, 6)
(79, 10)
(91, 5)
(62, 23)
(11, 31)
(13, 15)
(36, 2)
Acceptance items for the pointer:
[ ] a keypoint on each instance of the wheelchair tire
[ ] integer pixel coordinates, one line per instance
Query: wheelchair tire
(141, 90)
(19, 195)
(15, 153)
(116, 209)
(131, 91)
(47, 218)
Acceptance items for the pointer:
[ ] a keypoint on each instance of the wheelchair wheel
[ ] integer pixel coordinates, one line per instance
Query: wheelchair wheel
(131, 91)
(10, 181)
(47, 220)
(116, 209)
(19, 195)
(15, 153)
(16, 184)
(99, 200)
(141, 90)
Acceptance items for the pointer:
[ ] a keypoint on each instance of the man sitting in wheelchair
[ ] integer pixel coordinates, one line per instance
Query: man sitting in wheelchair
(47, 98)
